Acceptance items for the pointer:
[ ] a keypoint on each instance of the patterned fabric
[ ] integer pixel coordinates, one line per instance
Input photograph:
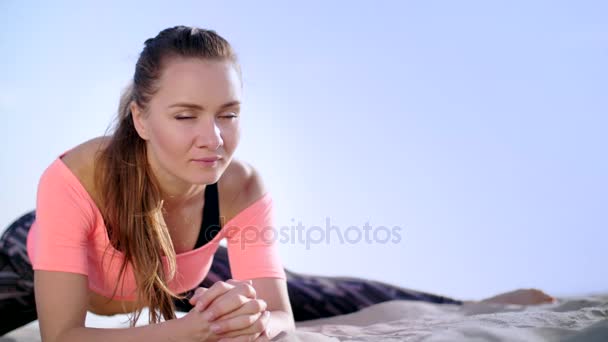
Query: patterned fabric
(17, 303)
(311, 296)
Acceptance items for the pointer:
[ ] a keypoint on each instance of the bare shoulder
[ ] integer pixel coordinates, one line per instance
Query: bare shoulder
(241, 185)
(80, 160)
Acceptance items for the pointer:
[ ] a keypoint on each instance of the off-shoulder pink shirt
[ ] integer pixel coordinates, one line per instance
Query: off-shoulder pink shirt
(69, 235)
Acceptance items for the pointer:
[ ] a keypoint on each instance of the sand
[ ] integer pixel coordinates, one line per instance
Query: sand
(583, 318)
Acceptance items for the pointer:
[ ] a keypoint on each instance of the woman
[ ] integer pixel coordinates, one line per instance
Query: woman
(118, 223)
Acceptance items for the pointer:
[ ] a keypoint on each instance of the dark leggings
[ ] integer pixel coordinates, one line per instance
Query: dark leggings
(311, 296)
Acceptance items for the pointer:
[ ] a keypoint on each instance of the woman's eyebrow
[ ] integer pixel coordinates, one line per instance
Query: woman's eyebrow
(201, 108)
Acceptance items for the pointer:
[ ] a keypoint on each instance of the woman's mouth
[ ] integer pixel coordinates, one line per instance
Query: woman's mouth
(207, 161)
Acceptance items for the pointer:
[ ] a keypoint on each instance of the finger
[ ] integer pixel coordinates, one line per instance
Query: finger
(257, 327)
(215, 291)
(252, 306)
(231, 301)
(197, 293)
(198, 307)
(234, 324)
(246, 288)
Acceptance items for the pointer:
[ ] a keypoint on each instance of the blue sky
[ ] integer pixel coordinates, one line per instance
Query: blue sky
(478, 128)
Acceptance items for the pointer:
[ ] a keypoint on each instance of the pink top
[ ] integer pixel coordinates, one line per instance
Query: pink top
(69, 235)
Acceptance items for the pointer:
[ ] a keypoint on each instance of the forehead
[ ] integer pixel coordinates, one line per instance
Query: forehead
(204, 82)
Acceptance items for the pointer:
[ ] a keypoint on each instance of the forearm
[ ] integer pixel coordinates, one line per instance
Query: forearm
(164, 331)
(280, 321)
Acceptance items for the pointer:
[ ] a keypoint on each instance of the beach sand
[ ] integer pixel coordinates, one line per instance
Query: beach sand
(583, 318)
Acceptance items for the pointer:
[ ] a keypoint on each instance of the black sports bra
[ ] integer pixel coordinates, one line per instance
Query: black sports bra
(210, 226)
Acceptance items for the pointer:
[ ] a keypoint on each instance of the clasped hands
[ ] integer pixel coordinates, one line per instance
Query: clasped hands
(227, 312)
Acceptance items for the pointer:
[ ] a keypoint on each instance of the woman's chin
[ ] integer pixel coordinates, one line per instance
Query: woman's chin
(207, 174)
(206, 178)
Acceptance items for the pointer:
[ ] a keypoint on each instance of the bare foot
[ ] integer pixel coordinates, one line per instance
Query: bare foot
(521, 297)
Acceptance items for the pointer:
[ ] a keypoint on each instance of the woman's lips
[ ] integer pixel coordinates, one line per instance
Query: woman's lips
(210, 161)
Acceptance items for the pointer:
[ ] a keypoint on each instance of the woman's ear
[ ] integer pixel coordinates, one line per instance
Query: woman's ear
(139, 121)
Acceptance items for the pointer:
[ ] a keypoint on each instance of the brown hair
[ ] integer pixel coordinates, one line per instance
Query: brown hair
(130, 197)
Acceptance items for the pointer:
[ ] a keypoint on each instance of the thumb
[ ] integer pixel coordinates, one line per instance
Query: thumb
(197, 294)
(198, 307)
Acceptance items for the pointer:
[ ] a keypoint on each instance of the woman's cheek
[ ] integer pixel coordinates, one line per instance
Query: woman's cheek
(231, 135)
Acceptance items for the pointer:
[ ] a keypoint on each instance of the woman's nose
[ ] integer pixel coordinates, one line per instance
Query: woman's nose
(209, 135)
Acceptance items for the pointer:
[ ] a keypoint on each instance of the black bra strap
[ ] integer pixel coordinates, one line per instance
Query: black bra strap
(210, 226)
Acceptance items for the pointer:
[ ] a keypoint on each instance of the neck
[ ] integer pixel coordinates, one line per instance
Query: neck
(175, 193)
(184, 198)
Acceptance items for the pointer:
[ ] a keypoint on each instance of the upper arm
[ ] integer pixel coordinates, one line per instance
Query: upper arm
(273, 290)
(59, 237)
(58, 244)
(61, 302)
(252, 248)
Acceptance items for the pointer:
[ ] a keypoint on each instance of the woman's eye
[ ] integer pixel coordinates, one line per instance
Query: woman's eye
(229, 116)
(183, 117)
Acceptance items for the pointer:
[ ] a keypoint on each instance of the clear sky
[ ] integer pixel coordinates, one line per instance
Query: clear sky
(477, 128)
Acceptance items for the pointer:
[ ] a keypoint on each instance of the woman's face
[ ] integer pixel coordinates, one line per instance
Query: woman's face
(193, 115)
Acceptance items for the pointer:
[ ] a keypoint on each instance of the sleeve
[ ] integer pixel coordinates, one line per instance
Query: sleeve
(64, 219)
(252, 248)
